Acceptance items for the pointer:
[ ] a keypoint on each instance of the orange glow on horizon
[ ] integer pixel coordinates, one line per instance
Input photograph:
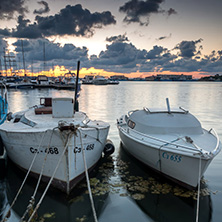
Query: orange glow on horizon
(61, 70)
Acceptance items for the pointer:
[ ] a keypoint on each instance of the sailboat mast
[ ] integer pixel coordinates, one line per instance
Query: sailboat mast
(23, 57)
(44, 64)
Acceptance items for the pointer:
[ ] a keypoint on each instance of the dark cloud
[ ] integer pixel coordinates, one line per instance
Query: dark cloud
(188, 48)
(164, 37)
(136, 9)
(9, 7)
(119, 56)
(42, 10)
(25, 30)
(171, 11)
(119, 38)
(5, 32)
(72, 20)
(55, 53)
(3, 44)
(155, 52)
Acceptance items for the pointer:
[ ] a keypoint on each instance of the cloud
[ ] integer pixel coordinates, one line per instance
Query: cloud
(171, 11)
(119, 56)
(9, 7)
(155, 52)
(137, 11)
(42, 10)
(25, 30)
(71, 20)
(119, 38)
(3, 44)
(188, 48)
(54, 52)
(164, 37)
(5, 32)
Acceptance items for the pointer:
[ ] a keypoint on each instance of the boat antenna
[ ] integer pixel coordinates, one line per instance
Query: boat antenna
(168, 105)
(76, 103)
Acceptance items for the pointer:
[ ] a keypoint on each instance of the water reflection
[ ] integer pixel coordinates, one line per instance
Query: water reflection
(4, 205)
(123, 190)
(56, 205)
(160, 200)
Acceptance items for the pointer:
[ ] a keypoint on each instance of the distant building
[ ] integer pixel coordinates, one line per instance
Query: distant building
(182, 77)
(150, 78)
(118, 77)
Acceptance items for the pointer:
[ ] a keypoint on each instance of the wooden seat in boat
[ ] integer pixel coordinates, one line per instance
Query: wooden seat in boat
(43, 110)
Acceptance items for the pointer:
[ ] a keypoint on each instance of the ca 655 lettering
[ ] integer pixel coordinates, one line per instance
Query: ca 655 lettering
(173, 157)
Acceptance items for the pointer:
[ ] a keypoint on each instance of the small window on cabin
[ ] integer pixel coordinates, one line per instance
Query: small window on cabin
(131, 124)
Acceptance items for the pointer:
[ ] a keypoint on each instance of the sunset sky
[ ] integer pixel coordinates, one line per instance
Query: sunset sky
(131, 37)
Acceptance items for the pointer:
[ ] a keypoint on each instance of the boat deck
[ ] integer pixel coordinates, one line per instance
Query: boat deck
(193, 144)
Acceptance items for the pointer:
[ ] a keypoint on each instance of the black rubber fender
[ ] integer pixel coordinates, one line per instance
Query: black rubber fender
(108, 148)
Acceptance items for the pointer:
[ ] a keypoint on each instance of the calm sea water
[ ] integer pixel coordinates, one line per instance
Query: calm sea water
(123, 189)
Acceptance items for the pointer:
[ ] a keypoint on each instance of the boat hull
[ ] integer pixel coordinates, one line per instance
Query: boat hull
(46, 149)
(183, 169)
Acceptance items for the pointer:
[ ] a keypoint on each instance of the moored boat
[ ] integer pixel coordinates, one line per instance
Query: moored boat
(54, 141)
(88, 80)
(100, 80)
(45, 134)
(170, 141)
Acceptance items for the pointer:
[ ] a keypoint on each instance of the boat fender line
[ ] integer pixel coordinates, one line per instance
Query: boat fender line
(50, 181)
(87, 178)
(109, 148)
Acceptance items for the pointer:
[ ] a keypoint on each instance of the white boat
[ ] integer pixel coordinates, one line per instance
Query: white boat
(53, 136)
(171, 142)
(69, 79)
(100, 80)
(88, 80)
(42, 80)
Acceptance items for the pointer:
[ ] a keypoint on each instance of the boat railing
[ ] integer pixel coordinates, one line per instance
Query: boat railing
(166, 143)
(217, 147)
(132, 111)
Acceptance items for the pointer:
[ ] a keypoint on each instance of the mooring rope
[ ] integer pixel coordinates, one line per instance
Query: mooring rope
(87, 179)
(32, 200)
(198, 192)
(50, 181)
(26, 176)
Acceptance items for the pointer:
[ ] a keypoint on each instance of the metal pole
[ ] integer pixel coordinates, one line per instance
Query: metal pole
(76, 104)
(168, 105)
(6, 74)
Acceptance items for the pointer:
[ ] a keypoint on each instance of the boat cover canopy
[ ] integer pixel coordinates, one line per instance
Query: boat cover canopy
(164, 122)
